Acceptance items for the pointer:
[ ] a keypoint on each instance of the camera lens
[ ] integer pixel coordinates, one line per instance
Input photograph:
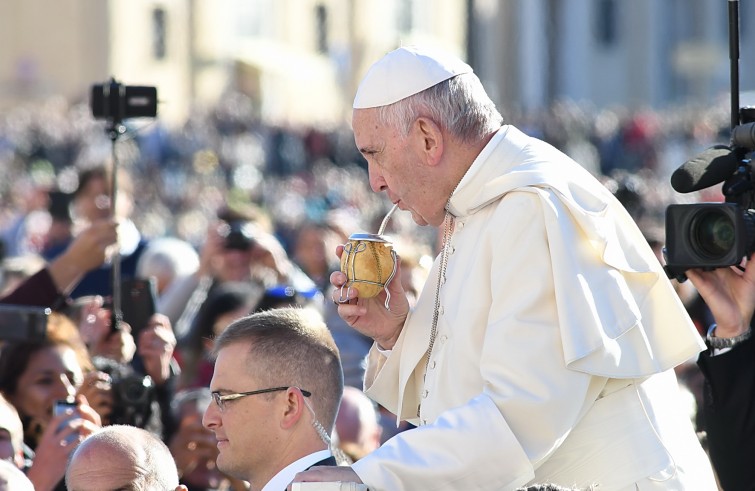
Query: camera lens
(713, 233)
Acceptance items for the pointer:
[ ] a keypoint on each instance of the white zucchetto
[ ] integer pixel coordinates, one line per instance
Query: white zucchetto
(404, 72)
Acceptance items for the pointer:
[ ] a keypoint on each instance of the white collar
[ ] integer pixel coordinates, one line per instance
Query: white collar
(282, 479)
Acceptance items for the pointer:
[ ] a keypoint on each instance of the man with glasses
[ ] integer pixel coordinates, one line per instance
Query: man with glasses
(276, 389)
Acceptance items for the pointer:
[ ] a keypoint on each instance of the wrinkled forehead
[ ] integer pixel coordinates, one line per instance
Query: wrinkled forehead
(368, 130)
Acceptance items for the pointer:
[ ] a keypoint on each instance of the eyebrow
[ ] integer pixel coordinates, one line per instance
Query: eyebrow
(370, 149)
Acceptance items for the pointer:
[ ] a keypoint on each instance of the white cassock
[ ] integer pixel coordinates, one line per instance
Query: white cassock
(557, 336)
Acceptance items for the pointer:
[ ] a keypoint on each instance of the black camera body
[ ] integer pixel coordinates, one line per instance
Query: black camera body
(133, 392)
(116, 102)
(23, 322)
(715, 235)
(708, 235)
(237, 235)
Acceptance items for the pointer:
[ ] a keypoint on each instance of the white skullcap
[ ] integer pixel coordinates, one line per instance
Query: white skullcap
(404, 72)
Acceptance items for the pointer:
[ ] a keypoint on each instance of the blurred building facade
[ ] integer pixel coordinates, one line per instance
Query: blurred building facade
(300, 60)
(635, 53)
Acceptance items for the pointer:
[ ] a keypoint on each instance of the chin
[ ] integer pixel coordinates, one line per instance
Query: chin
(226, 467)
(418, 219)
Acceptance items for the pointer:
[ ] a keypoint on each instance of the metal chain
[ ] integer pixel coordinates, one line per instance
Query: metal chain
(449, 223)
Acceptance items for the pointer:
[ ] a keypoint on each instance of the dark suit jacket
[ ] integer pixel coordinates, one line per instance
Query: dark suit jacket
(729, 414)
(329, 461)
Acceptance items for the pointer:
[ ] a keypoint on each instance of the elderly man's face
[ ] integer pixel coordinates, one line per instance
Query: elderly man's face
(396, 166)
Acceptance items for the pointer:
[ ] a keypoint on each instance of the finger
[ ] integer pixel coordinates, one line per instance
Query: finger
(337, 278)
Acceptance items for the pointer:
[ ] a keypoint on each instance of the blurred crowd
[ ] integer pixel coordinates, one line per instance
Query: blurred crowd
(226, 216)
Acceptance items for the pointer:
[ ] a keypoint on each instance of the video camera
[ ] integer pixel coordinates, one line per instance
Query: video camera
(716, 235)
(115, 101)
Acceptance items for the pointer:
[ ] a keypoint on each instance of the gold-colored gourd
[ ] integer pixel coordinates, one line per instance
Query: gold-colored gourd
(369, 263)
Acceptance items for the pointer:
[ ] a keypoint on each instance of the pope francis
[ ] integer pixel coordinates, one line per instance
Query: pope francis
(542, 347)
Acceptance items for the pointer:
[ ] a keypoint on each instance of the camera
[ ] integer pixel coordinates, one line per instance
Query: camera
(238, 235)
(61, 406)
(133, 392)
(714, 235)
(23, 322)
(115, 101)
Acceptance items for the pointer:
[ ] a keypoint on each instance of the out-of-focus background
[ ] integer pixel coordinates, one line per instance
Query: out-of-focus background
(252, 133)
(255, 95)
(299, 61)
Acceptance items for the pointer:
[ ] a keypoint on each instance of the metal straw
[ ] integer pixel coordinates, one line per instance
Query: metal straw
(385, 220)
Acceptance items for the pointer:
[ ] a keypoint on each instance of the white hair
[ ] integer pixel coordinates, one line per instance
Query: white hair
(459, 105)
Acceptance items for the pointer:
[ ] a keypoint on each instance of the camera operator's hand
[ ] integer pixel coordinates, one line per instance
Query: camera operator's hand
(60, 438)
(98, 391)
(85, 253)
(156, 345)
(94, 322)
(100, 338)
(730, 295)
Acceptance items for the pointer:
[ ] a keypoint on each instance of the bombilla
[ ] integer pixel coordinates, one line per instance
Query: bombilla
(385, 220)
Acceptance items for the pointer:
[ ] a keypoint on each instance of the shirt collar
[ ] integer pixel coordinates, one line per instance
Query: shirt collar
(282, 479)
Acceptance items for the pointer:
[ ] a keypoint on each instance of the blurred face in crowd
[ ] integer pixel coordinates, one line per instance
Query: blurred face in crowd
(396, 165)
(93, 202)
(311, 251)
(52, 373)
(236, 264)
(204, 473)
(245, 427)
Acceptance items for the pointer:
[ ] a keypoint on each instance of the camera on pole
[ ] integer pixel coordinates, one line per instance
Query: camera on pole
(115, 102)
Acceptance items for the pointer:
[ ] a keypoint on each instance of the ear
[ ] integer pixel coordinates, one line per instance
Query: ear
(293, 410)
(181, 487)
(432, 139)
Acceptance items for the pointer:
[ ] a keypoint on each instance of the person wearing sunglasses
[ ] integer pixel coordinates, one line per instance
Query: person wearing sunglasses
(276, 388)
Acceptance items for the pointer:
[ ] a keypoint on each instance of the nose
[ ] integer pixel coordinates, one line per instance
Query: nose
(210, 418)
(377, 183)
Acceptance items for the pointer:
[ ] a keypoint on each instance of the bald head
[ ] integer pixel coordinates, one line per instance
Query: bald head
(121, 456)
(357, 424)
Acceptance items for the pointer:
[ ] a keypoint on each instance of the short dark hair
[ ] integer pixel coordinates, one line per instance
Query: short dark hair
(292, 346)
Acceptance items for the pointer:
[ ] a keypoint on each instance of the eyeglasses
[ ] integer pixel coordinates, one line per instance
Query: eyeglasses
(221, 399)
